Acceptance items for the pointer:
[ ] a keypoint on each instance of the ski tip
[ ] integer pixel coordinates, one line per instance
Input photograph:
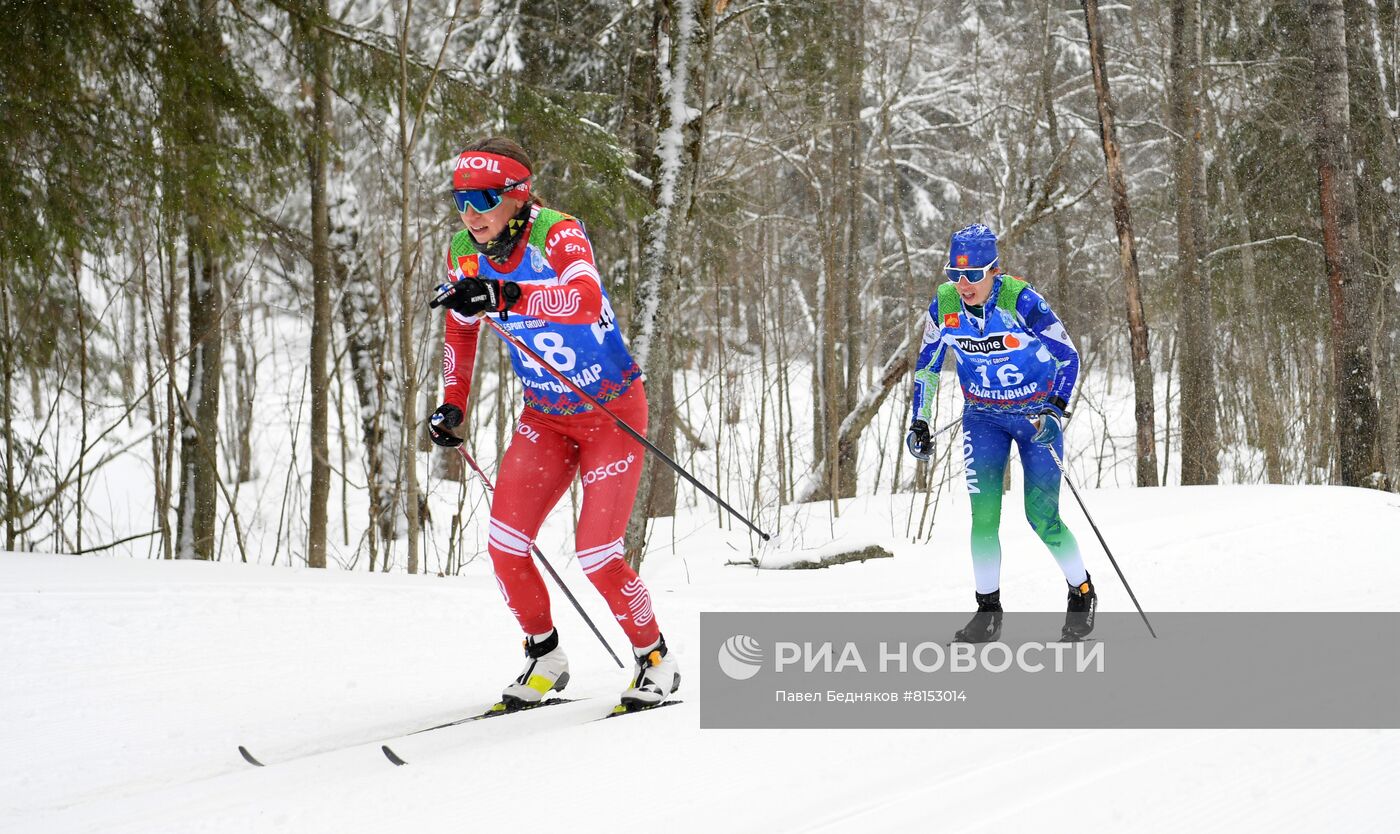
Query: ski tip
(392, 756)
(248, 757)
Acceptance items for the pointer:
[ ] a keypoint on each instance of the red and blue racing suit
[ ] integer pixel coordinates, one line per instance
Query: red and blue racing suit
(563, 313)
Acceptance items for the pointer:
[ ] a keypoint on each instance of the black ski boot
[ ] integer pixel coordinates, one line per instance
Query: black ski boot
(985, 625)
(1079, 614)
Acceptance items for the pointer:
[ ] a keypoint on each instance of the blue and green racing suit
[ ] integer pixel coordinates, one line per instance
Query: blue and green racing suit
(1014, 360)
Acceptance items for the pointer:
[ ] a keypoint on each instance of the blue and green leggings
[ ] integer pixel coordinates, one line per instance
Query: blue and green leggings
(987, 440)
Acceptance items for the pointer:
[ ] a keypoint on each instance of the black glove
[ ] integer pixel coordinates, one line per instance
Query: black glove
(471, 296)
(918, 440)
(447, 416)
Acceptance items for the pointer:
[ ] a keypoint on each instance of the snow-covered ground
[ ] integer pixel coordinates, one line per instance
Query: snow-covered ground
(128, 684)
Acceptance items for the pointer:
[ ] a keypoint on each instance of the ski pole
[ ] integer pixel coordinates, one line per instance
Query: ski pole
(956, 420)
(622, 424)
(491, 490)
(1114, 561)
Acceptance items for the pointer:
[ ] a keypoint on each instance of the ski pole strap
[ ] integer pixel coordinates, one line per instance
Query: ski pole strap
(622, 424)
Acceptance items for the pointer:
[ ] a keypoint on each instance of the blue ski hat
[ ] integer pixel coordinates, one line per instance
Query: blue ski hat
(972, 247)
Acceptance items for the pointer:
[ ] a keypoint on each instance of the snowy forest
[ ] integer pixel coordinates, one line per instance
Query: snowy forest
(221, 223)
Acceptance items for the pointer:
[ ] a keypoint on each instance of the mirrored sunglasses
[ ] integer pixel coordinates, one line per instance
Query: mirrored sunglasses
(972, 275)
(483, 199)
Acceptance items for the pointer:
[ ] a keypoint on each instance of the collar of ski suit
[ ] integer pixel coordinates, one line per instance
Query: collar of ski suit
(517, 230)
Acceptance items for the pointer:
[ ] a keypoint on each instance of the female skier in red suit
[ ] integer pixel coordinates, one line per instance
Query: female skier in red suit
(531, 269)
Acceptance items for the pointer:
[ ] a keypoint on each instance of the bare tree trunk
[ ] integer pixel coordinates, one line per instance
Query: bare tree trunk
(1349, 289)
(1065, 301)
(407, 359)
(661, 430)
(245, 386)
(436, 335)
(78, 506)
(7, 343)
(828, 368)
(200, 419)
(1200, 436)
(850, 138)
(1370, 75)
(675, 23)
(162, 442)
(169, 315)
(365, 345)
(318, 149)
(836, 369)
(1127, 256)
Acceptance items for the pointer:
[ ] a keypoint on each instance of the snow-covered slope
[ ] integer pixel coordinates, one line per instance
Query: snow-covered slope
(128, 685)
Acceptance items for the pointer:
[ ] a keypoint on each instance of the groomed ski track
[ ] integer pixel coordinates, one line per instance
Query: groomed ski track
(129, 685)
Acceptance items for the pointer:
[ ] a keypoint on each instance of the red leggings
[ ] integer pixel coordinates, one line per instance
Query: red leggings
(545, 454)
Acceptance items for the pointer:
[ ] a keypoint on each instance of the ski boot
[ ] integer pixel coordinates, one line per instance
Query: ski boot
(1079, 614)
(546, 669)
(658, 675)
(985, 625)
